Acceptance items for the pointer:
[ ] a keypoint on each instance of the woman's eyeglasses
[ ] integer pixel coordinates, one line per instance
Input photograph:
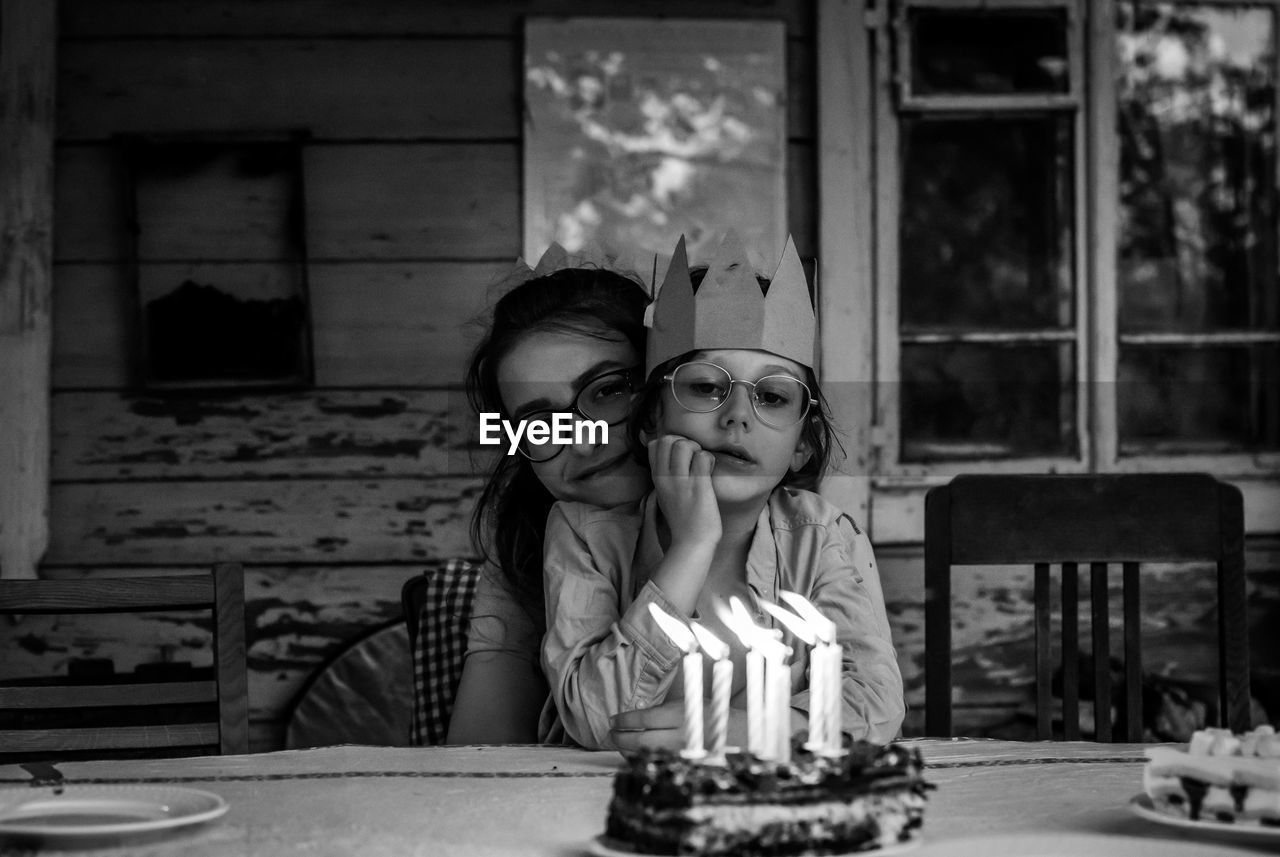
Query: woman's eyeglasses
(605, 398)
(779, 401)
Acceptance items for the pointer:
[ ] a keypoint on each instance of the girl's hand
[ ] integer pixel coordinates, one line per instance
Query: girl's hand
(682, 477)
(662, 726)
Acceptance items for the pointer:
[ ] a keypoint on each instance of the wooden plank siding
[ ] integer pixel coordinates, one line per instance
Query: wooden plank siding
(332, 496)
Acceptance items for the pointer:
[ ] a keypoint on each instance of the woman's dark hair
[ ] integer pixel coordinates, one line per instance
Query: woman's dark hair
(818, 433)
(510, 517)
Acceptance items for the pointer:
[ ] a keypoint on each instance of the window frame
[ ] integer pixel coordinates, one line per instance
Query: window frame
(1091, 98)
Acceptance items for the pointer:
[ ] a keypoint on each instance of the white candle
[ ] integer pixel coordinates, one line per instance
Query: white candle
(835, 699)
(817, 684)
(683, 638)
(826, 670)
(755, 703)
(780, 685)
(693, 705)
(817, 700)
(774, 699)
(721, 688)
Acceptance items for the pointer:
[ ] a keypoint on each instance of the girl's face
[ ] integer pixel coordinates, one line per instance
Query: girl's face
(544, 372)
(752, 458)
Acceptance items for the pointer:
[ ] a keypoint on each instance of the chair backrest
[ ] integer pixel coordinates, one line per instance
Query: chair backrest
(1096, 520)
(439, 602)
(221, 593)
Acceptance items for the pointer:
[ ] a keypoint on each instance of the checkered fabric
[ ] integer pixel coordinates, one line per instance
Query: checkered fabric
(440, 646)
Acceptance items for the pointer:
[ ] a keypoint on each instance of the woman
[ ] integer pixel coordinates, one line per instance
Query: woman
(571, 340)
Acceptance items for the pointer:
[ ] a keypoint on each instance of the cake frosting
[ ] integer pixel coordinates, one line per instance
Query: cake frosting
(866, 798)
(1220, 776)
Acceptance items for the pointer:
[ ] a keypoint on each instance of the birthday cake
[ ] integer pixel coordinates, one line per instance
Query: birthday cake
(1221, 777)
(869, 797)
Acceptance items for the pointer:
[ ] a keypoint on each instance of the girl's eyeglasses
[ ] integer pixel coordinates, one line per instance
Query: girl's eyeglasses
(779, 401)
(605, 397)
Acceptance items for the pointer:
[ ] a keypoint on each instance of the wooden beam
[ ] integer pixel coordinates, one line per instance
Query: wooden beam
(844, 291)
(28, 36)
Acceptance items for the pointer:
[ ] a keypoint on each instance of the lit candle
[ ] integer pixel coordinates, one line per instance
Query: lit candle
(721, 688)
(739, 621)
(818, 709)
(683, 638)
(779, 679)
(827, 668)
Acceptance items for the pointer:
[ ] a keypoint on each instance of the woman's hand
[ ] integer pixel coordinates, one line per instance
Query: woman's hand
(682, 477)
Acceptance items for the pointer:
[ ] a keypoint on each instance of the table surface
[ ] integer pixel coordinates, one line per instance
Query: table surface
(992, 798)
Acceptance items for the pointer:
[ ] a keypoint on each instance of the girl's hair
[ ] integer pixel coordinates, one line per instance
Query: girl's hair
(510, 517)
(818, 432)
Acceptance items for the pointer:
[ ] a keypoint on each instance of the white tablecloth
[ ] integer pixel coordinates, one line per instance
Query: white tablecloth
(1034, 798)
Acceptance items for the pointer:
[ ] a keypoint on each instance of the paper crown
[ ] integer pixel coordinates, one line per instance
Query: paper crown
(557, 258)
(730, 310)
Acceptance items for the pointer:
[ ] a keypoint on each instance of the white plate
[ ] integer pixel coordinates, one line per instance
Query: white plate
(92, 811)
(603, 846)
(1142, 807)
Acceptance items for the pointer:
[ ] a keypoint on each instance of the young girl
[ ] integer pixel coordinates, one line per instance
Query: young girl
(734, 422)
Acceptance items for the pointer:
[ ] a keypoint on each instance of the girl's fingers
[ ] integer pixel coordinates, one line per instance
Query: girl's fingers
(682, 452)
(672, 455)
(704, 464)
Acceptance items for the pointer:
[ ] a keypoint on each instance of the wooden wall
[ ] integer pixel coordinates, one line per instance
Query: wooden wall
(331, 497)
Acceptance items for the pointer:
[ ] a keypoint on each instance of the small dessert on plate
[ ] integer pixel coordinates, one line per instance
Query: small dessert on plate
(870, 797)
(1221, 777)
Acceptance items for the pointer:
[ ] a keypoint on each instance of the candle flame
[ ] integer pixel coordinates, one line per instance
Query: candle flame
(791, 622)
(823, 628)
(711, 644)
(675, 629)
(763, 640)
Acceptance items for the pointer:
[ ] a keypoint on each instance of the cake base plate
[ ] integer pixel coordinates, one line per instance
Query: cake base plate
(1142, 807)
(604, 846)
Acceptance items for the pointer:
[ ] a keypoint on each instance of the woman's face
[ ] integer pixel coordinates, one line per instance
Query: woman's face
(544, 372)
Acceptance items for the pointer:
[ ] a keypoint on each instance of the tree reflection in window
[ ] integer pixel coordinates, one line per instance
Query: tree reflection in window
(1197, 269)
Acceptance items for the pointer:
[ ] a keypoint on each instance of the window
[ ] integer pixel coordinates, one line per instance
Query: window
(1076, 237)
(216, 313)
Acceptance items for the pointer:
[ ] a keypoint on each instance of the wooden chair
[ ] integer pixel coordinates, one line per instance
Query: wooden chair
(1068, 520)
(221, 593)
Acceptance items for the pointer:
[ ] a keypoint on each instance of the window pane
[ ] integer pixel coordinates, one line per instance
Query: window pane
(986, 223)
(1199, 400)
(983, 52)
(987, 401)
(1198, 201)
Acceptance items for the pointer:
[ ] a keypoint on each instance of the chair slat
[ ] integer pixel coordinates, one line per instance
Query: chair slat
(1132, 653)
(1233, 614)
(1101, 651)
(107, 595)
(1070, 652)
(112, 695)
(937, 613)
(115, 738)
(1044, 661)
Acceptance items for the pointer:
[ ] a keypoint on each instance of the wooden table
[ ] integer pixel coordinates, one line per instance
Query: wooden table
(1036, 798)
